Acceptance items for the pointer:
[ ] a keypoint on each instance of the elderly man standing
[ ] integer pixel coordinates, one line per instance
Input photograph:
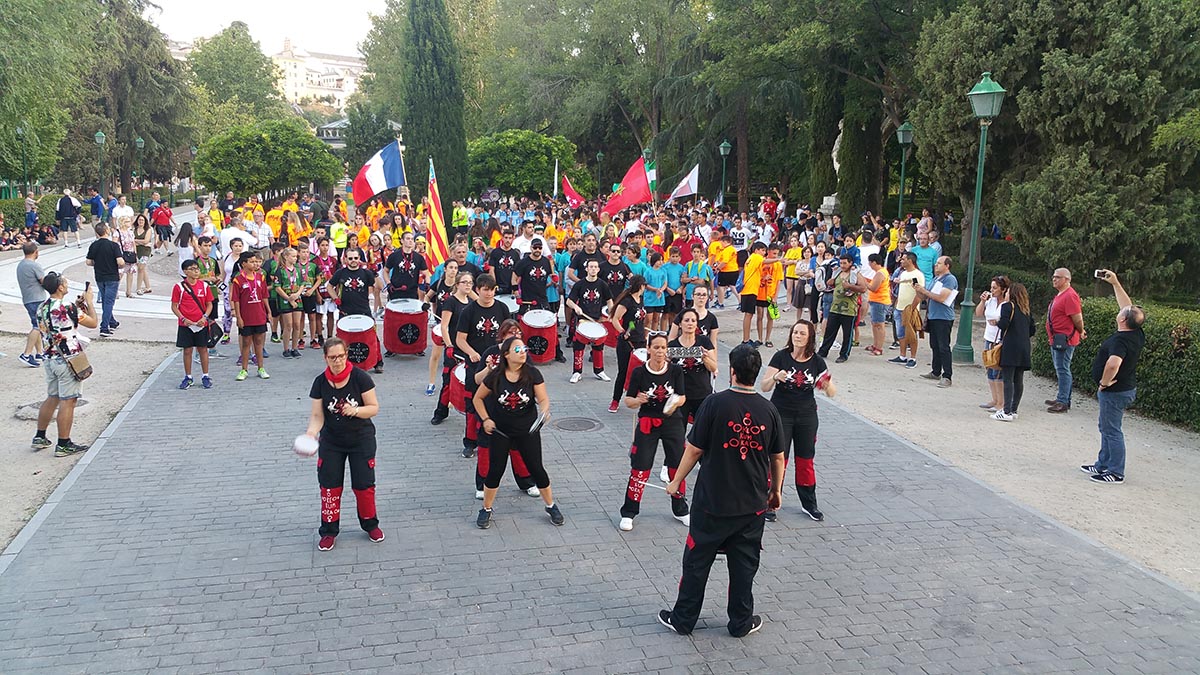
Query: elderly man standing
(1064, 329)
(942, 291)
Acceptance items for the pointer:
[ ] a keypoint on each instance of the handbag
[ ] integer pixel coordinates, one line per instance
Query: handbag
(991, 357)
(80, 366)
(215, 332)
(1060, 341)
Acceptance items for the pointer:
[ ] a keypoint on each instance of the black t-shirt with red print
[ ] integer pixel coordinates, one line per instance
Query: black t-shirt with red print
(356, 290)
(513, 407)
(615, 276)
(535, 276)
(737, 434)
(591, 296)
(633, 320)
(796, 394)
(697, 381)
(658, 388)
(344, 433)
(502, 265)
(482, 324)
(404, 270)
(704, 326)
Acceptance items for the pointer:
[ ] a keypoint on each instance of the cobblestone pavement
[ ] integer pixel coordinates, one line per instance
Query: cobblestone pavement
(188, 545)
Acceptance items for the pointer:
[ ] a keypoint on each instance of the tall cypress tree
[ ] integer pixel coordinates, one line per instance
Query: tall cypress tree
(433, 102)
(858, 155)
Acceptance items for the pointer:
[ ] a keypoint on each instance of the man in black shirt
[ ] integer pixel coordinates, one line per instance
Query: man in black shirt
(737, 434)
(533, 273)
(354, 283)
(477, 328)
(1115, 372)
(579, 261)
(502, 261)
(407, 270)
(613, 271)
(104, 256)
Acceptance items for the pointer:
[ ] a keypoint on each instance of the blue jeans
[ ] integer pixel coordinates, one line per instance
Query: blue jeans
(108, 298)
(1112, 439)
(1062, 367)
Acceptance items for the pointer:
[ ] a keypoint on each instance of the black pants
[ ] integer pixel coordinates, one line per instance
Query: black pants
(624, 349)
(806, 297)
(835, 321)
(1014, 388)
(939, 343)
(800, 432)
(528, 446)
(740, 538)
(331, 474)
(449, 363)
(649, 432)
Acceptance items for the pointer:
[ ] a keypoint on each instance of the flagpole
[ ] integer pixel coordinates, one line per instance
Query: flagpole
(555, 197)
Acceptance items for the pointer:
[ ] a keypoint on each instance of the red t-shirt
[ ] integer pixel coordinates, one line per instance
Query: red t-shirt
(250, 292)
(162, 215)
(685, 249)
(1061, 308)
(187, 305)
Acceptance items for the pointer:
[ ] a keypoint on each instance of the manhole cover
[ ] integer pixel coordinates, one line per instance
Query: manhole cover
(577, 424)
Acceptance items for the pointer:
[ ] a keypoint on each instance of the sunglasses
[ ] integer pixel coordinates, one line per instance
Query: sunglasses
(519, 349)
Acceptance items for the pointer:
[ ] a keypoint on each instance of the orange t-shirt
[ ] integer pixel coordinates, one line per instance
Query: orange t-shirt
(883, 294)
(769, 286)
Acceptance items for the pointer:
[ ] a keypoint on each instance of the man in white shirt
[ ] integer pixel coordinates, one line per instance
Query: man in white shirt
(121, 210)
(524, 240)
(906, 296)
(237, 230)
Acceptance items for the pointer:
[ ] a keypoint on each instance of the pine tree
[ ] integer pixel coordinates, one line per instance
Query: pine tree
(826, 111)
(859, 153)
(433, 112)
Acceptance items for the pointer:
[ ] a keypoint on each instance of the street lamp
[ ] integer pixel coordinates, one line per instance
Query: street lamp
(904, 135)
(24, 163)
(986, 99)
(100, 177)
(725, 148)
(141, 145)
(599, 166)
(192, 176)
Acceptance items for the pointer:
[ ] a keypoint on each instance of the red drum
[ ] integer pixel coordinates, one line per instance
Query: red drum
(637, 357)
(458, 388)
(509, 301)
(405, 327)
(362, 344)
(591, 333)
(613, 333)
(435, 330)
(540, 329)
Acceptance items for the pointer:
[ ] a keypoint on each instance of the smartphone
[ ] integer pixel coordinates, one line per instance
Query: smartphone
(1101, 274)
(87, 286)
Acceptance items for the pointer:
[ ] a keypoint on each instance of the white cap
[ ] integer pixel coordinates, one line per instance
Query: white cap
(67, 192)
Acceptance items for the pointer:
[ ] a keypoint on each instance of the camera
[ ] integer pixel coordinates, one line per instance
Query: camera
(1101, 274)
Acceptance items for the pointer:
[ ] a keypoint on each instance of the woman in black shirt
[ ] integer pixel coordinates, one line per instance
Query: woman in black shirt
(656, 391)
(434, 298)
(448, 307)
(343, 403)
(794, 375)
(696, 355)
(706, 321)
(1017, 328)
(489, 360)
(627, 317)
(511, 400)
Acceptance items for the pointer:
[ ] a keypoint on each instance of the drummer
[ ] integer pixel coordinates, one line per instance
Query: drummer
(706, 321)
(489, 361)
(628, 317)
(407, 270)
(477, 328)
(353, 284)
(532, 276)
(589, 300)
(501, 262)
(656, 391)
(343, 403)
(448, 308)
(697, 356)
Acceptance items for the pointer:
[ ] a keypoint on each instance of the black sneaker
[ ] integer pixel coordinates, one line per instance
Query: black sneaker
(771, 516)
(1108, 477)
(70, 448)
(437, 419)
(556, 516)
(41, 443)
(840, 359)
(756, 623)
(468, 453)
(484, 521)
(815, 513)
(1086, 468)
(377, 369)
(106, 333)
(114, 324)
(664, 617)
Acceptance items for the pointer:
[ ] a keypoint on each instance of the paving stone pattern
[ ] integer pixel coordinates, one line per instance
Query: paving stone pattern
(189, 546)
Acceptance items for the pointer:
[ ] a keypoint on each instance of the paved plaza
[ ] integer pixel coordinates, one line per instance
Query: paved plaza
(186, 543)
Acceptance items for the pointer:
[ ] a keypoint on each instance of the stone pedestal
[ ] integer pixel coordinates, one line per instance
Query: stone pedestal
(830, 205)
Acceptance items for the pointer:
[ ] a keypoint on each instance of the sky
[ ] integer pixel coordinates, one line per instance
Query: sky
(329, 27)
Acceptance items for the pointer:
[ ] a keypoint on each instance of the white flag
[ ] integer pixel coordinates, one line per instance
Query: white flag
(687, 186)
(556, 179)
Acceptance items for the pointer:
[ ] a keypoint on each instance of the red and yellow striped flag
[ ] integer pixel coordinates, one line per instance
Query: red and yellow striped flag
(438, 250)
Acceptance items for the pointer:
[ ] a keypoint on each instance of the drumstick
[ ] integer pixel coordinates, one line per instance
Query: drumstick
(653, 485)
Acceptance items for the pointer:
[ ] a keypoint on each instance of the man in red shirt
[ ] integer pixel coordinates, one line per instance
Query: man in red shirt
(163, 220)
(1064, 328)
(248, 295)
(683, 241)
(191, 301)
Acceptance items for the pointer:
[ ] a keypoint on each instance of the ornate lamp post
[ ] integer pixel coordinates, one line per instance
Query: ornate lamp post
(141, 145)
(599, 167)
(100, 176)
(904, 135)
(24, 163)
(192, 176)
(986, 99)
(725, 149)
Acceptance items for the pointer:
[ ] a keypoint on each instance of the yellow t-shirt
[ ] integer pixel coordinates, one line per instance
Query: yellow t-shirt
(495, 239)
(752, 277)
(217, 218)
(274, 220)
(727, 256)
(304, 230)
(249, 209)
(290, 205)
(364, 236)
(793, 255)
(894, 240)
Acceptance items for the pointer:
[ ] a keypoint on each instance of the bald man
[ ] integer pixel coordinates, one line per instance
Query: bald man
(1064, 328)
(943, 288)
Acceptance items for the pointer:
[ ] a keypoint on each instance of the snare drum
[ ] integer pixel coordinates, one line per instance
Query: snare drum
(591, 333)
(405, 327)
(613, 333)
(458, 388)
(540, 329)
(435, 330)
(362, 344)
(637, 357)
(509, 301)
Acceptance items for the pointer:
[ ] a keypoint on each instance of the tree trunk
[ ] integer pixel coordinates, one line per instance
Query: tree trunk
(742, 136)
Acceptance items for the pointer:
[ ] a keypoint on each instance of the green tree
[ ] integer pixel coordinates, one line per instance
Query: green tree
(432, 117)
(269, 155)
(369, 131)
(826, 105)
(518, 161)
(859, 153)
(231, 64)
(211, 117)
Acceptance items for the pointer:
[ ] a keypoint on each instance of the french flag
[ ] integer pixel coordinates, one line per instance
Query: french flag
(384, 171)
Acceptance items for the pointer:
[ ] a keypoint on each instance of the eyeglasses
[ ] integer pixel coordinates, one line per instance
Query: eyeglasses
(335, 357)
(653, 333)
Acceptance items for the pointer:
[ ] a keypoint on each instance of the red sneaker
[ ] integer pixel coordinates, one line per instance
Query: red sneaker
(613, 407)
(326, 543)
(376, 535)
(299, 344)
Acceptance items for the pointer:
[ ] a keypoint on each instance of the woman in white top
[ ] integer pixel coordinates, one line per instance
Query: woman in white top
(989, 308)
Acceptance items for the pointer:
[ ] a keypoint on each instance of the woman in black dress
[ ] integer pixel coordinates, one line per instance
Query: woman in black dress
(794, 375)
(343, 403)
(510, 400)
(1017, 329)
(697, 356)
(628, 317)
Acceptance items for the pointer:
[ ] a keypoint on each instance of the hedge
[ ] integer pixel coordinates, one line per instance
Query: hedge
(1168, 373)
(998, 252)
(14, 209)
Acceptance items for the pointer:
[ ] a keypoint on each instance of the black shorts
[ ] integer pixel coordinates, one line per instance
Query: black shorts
(309, 304)
(763, 303)
(674, 304)
(661, 309)
(186, 338)
(286, 309)
(247, 331)
(726, 278)
(163, 231)
(748, 304)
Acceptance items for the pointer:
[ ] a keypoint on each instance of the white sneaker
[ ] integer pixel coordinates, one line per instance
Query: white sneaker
(534, 492)
(685, 519)
(626, 524)
(603, 376)
(664, 475)
(1001, 416)
(576, 377)
(479, 494)
(837, 345)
